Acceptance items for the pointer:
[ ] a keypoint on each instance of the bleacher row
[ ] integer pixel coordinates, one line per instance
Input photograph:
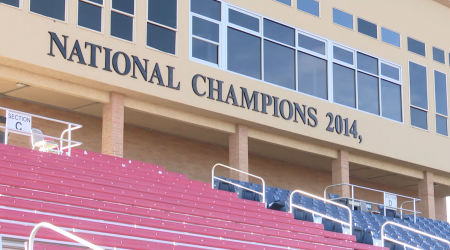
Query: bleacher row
(366, 225)
(121, 204)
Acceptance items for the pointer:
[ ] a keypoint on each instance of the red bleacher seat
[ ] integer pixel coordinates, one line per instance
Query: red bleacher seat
(115, 202)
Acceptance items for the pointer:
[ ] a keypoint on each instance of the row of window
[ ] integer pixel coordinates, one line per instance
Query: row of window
(261, 48)
(419, 98)
(161, 18)
(368, 28)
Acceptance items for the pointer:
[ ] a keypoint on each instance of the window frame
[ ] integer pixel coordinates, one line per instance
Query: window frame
(165, 27)
(435, 101)
(428, 99)
(329, 57)
(443, 50)
(399, 35)
(66, 13)
(17, 8)
(320, 9)
(125, 14)
(102, 17)
(357, 28)
(353, 19)
(407, 47)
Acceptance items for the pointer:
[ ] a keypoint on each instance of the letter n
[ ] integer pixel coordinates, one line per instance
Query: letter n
(55, 39)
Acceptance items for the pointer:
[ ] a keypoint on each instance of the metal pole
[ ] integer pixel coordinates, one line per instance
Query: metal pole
(70, 139)
(353, 198)
(1, 242)
(384, 203)
(6, 127)
(414, 210)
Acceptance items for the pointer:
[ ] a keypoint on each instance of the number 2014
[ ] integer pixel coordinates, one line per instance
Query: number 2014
(342, 126)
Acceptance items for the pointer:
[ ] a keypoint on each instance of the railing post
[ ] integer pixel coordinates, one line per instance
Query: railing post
(1, 242)
(415, 213)
(70, 139)
(6, 128)
(353, 197)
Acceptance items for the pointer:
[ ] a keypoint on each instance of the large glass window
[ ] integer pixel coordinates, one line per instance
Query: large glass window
(264, 49)
(205, 18)
(122, 19)
(440, 90)
(15, 3)
(391, 37)
(55, 9)
(438, 55)
(162, 25)
(367, 28)
(418, 95)
(309, 6)
(90, 14)
(342, 18)
(416, 46)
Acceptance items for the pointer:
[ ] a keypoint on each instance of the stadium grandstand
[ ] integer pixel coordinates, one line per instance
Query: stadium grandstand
(224, 124)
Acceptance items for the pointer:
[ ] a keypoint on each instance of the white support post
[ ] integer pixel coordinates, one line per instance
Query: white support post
(70, 140)
(6, 128)
(1, 243)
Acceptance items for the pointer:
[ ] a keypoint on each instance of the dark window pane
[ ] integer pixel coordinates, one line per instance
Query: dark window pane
(208, 8)
(311, 44)
(440, 89)
(441, 125)
(344, 85)
(124, 5)
(367, 63)
(15, 3)
(368, 93)
(121, 26)
(243, 20)
(438, 55)
(50, 8)
(279, 32)
(418, 85)
(310, 6)
(312, 75)
(416, 46)
(343, 55)
(89, 16)
(390, 71)
(279, 65)
(419, 118)
(244, 53)
(391, 100)
(97, 1)
(342, 18)
(163, 12)
(161, 38)
(391, 37)
(205, 51)
(205, 29)
(367, 28)
(288, 2)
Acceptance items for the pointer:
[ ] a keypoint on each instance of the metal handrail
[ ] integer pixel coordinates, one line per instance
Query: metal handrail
(414, 200)
(349, 224)
(383, 237)
(60, 231)
(401, 208)
(263, 193)
(71, 127)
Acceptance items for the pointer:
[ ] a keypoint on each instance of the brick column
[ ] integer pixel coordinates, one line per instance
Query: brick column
(426, 194)
(113, 124)
(441, 208)
(341, 174)
(238, 150)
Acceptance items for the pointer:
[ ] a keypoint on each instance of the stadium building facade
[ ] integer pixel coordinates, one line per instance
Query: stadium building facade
(303, 93)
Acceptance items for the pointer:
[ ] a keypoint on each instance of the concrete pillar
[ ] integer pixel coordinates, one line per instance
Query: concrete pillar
(341, 173)
(113, 125)
(441, 208)
(238, 152)
(426, 194)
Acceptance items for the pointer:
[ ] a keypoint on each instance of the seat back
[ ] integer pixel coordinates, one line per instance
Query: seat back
(226, 187)
(36, 136)
(2, 137)
(364, 207)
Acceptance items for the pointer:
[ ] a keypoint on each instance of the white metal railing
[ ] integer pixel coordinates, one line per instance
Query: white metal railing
(60, 231)
(263, 193)
(352, 198)
(291, 206)
(383, 237)
(71, 127)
